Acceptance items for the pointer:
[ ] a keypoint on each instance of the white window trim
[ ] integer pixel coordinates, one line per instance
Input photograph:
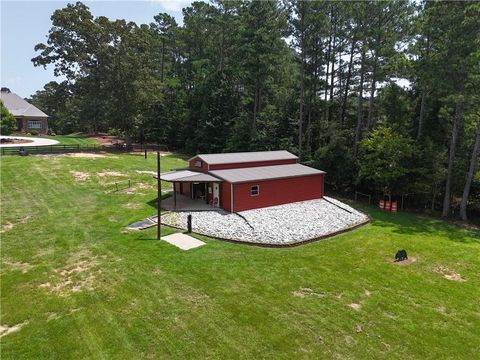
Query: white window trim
(198, 163)
(258, 190)
(35, 124)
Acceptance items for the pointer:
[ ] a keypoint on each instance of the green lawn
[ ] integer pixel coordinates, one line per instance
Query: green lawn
(71, 139)
(84, 288)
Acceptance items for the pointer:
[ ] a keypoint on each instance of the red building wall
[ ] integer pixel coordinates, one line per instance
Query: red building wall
(277, 192)
(191, 165)
(225, 199)
(204, 167)
(186, 188)
(182, 188)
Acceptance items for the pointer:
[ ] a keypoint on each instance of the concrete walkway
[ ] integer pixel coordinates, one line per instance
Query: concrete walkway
(183, 241)
(34, 141)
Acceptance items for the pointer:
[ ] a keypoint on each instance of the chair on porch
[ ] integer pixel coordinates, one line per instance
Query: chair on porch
(214, 202)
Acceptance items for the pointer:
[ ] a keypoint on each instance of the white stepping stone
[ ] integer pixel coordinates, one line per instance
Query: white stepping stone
(183, 241)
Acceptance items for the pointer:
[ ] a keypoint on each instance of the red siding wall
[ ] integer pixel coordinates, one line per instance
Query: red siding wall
(182, 188)
(204, 167)
(252, 164)
(191, 165)
(186, 189)
(225, 199)
(277, 192)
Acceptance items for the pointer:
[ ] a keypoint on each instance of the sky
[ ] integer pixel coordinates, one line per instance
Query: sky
(26, 23)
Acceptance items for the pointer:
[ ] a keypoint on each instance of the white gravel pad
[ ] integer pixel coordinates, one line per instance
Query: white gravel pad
(276, 225)
(183, 241)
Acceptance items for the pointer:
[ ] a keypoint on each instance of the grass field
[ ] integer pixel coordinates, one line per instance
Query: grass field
(81, 287)
(72, 139)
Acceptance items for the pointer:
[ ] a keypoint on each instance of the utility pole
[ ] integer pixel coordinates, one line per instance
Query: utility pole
(159, 194)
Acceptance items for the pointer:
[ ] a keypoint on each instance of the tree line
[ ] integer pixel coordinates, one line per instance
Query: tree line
(383, 95)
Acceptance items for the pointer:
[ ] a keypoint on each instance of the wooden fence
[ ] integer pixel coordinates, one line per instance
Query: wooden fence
(61, 148)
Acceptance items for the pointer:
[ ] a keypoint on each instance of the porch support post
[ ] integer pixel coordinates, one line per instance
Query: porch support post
(174, 196)
(205, 193)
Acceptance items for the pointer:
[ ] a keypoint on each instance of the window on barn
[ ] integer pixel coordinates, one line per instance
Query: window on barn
(255, 190)
(34, 124)
(198, 163)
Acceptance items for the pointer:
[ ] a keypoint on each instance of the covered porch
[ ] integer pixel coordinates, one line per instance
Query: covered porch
(179, 202)
(192, 191)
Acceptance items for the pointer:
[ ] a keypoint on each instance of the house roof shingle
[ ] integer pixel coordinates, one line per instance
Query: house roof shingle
(19, 107)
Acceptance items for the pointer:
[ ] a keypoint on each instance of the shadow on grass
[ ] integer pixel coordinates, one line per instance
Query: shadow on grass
(77, 135)
(146, 238)
(144, 235)
(412, 224)
(153, 202)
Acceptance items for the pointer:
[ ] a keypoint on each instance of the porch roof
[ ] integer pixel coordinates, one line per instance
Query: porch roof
(188, 176)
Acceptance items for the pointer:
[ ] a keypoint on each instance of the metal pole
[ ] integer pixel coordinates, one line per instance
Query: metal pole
(175, 196)
(159, 195)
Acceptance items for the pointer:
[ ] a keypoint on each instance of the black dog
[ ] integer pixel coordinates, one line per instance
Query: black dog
(401, 255)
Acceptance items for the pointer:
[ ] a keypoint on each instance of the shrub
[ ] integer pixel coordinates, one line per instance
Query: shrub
(34, 132)
(115, 132)
(7, 121)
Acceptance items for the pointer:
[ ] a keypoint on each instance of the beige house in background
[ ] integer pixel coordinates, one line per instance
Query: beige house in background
(28, 116)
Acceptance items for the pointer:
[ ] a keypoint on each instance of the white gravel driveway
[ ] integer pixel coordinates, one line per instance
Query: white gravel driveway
(277, 225)
(34, 141)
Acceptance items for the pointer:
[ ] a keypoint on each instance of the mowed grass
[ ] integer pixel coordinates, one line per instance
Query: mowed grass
(83, 287)
(72, 139)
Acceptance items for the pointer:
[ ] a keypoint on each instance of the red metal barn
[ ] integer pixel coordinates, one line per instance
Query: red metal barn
(244, 181)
